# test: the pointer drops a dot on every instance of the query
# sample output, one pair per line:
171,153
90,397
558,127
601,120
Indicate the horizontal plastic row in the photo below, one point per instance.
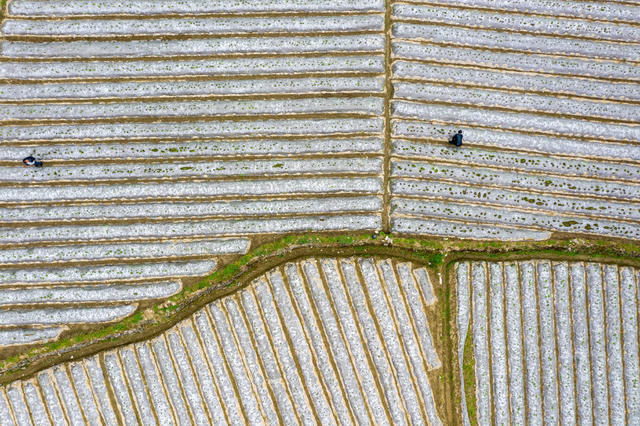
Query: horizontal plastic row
518,61
128,110
166,171
518,22
188,228
502,139
505,99
510,80
172,89
520,121
205,148
65,70
208,26
56,254
516,218
514,160
203,129
493,39
192,190
193,47
514,179
151,7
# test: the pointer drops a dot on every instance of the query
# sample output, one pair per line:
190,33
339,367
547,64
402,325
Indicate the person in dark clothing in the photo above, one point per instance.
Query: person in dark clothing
31,161
457,139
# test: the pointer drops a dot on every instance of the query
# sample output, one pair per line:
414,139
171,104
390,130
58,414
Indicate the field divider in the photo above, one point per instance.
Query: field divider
178,36
108,261
203,158
218,56
188,119
265,96
219,14
198,77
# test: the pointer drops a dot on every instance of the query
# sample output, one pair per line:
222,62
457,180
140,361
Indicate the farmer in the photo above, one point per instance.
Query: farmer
457,139
31,161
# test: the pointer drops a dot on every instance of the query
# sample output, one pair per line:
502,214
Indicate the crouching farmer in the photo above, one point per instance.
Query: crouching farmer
31,161
456,139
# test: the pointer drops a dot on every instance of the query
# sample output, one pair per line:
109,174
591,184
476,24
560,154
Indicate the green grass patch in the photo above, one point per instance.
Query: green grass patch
469,378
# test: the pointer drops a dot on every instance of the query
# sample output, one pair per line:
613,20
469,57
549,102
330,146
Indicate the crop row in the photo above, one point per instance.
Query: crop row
505,216
214,148
607,11
51,111
509,179
157,89
346,222
515,101
513,160
522,121
98,293
517,22
193,47
506,140
183,68
166,210
201,129
194,190
480,38
529,61
75,315
316,339
566,331
151,7
123,251
465,230
105,272
508,80
208,26
196,170
25,336
516,198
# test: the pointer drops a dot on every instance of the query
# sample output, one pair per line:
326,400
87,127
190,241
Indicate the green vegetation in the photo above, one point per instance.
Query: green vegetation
469,377
435,253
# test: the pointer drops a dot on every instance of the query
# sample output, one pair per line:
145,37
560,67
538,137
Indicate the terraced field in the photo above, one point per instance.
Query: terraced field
553,342
171,135
319,341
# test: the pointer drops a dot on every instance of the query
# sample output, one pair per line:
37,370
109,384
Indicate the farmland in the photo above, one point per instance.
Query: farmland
249,210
